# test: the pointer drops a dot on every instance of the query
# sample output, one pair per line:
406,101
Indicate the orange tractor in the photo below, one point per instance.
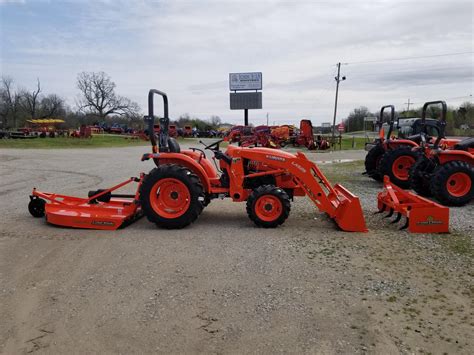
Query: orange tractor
394,156
173,194
444,171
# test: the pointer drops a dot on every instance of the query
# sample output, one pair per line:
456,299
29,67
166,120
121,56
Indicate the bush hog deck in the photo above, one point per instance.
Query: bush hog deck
101,210
184,182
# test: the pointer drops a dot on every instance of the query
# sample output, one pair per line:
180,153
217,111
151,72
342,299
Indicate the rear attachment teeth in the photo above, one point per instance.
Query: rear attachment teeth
397,219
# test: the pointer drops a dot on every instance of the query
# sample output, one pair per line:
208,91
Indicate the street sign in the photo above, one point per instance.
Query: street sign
341,127
370,119
245,81
245,100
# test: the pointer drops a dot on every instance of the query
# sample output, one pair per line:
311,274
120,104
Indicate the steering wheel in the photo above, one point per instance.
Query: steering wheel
210,146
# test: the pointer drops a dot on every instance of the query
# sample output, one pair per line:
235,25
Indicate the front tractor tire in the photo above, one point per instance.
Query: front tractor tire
396,165
268,206
171,196
452,183
371,162
420,176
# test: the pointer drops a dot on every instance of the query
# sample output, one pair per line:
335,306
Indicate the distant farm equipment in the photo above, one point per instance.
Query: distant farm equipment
277,136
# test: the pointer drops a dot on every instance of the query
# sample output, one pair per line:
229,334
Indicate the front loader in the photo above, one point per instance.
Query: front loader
184,182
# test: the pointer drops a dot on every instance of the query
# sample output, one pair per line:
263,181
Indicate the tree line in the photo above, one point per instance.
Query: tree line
98,103
459,120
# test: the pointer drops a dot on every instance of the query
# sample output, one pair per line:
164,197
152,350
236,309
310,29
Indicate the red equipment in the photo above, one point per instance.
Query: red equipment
173,131
174,193
305,135
188,131
422,215
101,210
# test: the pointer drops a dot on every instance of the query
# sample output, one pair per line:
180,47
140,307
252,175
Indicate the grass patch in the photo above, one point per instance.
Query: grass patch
350,143
97,141
458,243
341,172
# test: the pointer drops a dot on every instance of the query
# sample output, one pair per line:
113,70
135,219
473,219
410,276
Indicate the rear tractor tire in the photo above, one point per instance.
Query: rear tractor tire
171,196
268,206
453,183
396,164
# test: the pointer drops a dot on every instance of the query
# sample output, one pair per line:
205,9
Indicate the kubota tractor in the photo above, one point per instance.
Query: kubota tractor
394,156
444,171
173,194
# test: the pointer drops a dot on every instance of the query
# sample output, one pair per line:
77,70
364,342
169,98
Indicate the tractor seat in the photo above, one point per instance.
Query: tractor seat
173,145
465,144
415,138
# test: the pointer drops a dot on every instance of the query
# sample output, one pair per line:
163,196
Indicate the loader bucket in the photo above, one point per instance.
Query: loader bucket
422,215
348,215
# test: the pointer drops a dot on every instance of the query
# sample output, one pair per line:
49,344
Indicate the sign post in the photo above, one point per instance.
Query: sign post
340,128
245,100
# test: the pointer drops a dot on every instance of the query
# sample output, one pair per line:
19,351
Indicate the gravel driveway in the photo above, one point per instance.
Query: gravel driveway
222,285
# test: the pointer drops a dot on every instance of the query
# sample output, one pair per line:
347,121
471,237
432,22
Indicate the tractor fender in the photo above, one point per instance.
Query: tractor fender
393,144
446,156
188,162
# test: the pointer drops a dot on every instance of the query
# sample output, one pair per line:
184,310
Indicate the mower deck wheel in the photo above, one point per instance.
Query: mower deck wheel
36,207
268,206
453,183
171,196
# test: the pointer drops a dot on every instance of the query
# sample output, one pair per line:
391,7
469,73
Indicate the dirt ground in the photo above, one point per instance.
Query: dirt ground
222,285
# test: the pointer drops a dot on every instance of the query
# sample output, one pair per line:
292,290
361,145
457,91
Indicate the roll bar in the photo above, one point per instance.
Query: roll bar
392,119
164,122
442,122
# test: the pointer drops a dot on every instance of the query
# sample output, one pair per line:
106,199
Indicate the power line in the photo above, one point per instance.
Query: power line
409,58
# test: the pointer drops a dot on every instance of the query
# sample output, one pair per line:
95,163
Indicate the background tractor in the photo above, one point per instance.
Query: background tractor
443,171
394,156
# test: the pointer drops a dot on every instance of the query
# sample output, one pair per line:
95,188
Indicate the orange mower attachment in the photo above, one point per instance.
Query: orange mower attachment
422,215
101,210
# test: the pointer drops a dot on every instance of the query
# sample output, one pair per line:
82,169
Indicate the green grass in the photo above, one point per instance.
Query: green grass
97,141
349,143
458,243
342,172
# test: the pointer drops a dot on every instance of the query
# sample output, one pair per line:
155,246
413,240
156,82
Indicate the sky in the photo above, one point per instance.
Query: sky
391,51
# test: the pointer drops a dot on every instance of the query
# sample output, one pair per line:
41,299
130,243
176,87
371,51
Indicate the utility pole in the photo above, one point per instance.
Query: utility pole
267,119
408,107
338,79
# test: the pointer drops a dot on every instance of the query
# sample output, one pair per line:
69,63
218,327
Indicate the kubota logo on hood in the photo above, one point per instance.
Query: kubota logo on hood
273,157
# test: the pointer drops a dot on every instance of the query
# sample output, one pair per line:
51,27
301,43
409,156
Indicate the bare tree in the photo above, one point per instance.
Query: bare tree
99,97
30,100
9,102
215,121
51,106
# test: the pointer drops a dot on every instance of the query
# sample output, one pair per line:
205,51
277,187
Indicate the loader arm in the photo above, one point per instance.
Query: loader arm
340,204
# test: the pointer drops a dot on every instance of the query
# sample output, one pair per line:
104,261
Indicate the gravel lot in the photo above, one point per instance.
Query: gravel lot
222,285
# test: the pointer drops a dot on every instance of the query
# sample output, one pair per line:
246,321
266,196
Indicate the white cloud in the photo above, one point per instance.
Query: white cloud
187,48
